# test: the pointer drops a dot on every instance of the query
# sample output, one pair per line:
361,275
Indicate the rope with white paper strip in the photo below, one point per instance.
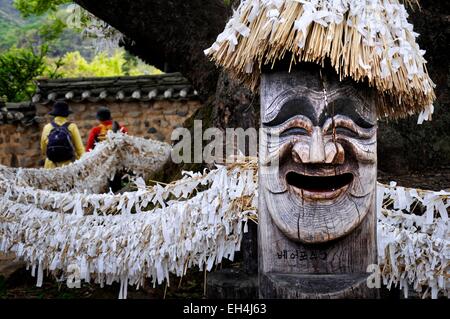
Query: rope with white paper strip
196,221
131,236
91,172
413,249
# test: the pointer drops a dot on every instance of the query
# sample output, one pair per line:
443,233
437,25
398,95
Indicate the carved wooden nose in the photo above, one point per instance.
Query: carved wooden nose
316,147
312,151
316,151
300,153
334,153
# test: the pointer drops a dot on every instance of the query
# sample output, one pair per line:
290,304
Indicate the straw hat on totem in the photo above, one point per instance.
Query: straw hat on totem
367,40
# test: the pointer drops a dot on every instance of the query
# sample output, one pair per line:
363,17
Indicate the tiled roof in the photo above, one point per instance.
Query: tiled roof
119,88
17,113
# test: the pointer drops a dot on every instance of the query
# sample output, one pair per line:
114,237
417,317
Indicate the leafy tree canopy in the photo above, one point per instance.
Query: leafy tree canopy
38,7
18,69
73,64
25,28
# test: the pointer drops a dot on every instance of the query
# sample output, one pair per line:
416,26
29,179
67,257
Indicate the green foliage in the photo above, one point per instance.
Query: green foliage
51,29
38,7
102,65
18,69
26,28
7,38
73,64
37,42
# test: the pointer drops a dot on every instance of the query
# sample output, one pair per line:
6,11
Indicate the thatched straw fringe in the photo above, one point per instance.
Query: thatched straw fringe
369,41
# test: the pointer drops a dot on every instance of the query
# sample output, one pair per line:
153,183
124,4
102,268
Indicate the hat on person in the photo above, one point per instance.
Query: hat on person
103,114
60,108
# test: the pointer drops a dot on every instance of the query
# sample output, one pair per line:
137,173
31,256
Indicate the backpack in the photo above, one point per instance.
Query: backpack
60,147
104,130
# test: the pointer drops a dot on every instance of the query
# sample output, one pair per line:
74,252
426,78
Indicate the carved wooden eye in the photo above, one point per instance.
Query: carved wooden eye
345,131
294,131
345,127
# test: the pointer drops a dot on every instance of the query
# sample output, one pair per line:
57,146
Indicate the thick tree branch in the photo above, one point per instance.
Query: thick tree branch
176,32
168,31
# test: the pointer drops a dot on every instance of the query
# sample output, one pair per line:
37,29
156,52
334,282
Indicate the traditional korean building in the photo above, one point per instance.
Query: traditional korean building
150,106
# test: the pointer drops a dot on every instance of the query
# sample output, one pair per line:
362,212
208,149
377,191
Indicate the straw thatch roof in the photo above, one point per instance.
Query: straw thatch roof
367,40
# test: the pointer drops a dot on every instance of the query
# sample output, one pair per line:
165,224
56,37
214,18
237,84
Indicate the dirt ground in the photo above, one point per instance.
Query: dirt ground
21,285
436,180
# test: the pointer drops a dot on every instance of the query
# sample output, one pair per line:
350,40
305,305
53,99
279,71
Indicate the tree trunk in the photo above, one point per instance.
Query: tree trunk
174,33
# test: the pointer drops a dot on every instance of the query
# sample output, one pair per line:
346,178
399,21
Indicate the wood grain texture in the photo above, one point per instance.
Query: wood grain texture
299,286
307,265
316,240
351,254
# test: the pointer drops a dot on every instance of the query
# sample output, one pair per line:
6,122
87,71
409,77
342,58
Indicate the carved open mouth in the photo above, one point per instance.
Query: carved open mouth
319,187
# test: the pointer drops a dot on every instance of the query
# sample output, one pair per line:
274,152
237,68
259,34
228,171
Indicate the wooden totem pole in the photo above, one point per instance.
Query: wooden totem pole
317,184
348,63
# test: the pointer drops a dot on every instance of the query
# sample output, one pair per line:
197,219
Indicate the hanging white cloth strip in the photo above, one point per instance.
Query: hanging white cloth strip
91,172
193,222
134,235
414,249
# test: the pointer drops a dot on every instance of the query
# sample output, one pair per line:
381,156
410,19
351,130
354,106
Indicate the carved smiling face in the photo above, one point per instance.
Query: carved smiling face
317,154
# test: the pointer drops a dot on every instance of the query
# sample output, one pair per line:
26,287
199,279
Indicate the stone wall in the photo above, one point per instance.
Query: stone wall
154,120
19,144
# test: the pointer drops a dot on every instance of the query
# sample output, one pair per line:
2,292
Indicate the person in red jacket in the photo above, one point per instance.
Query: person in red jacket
98,133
